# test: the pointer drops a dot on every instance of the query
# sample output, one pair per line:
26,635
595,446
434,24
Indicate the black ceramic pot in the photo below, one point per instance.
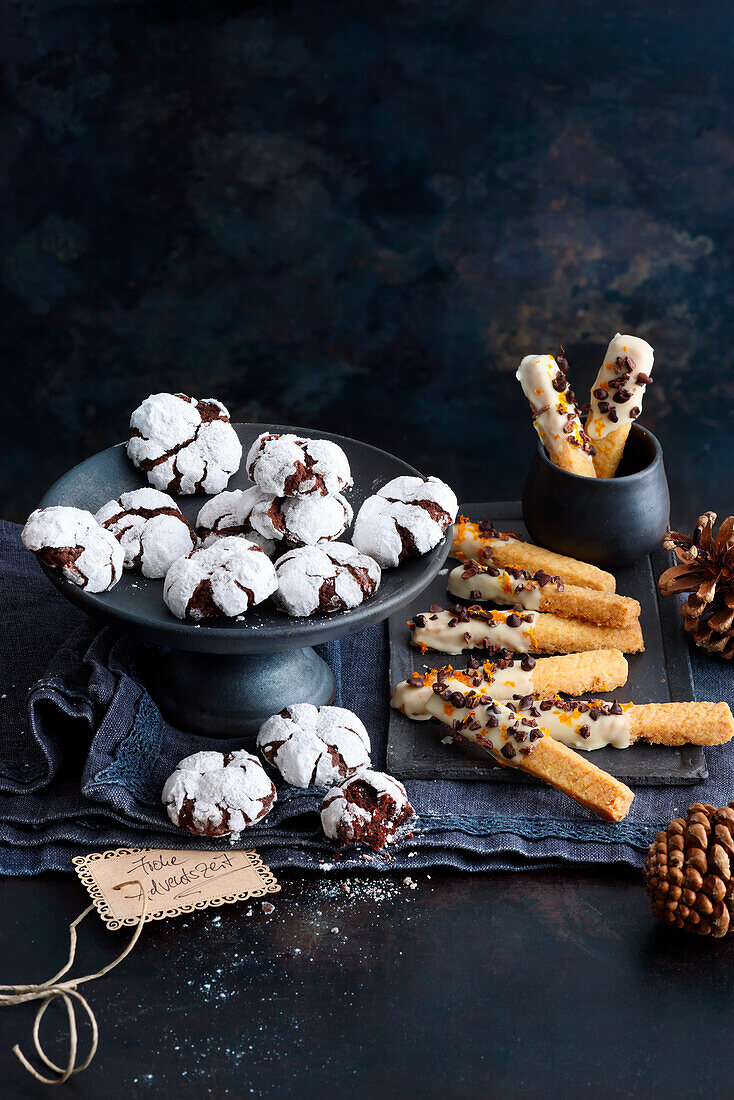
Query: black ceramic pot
606,521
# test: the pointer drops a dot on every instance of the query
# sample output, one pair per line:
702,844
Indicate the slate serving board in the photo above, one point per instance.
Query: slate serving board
661,674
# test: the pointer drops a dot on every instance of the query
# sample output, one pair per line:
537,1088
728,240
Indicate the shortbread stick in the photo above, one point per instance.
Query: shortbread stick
682,723
616,399
516,741
577,673
483,543
555,416
464,628
540,592
580,724
515,680
552,634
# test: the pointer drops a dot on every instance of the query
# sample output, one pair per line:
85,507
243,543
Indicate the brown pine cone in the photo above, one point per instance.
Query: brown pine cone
688,872
706,570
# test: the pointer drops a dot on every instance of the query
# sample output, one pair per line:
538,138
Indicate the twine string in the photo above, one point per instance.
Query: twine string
52,988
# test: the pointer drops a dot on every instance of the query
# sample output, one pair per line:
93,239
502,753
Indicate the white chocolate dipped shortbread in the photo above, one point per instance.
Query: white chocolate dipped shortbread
461,628
221,580
482,542
540,592
291,465
70,541
511,679
555,415
404,519
578,724
616,399
184,444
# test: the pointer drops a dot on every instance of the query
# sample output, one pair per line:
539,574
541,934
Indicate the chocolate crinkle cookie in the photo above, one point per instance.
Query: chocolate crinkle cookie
184,445
314,745
230,513
368,806
71,541
302,521
214,793
290,466
404,519
221,580
151,529
333,576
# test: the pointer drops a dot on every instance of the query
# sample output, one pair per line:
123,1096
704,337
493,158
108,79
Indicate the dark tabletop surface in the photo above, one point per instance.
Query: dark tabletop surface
359,217
502,985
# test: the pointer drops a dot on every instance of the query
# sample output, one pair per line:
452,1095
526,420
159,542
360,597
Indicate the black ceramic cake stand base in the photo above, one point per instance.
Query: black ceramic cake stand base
224,695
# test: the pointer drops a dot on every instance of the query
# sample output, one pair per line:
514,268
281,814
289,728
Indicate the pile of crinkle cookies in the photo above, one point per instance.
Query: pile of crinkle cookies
224,567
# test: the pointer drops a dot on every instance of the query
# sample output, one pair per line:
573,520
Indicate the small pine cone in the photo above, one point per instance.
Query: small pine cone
688,871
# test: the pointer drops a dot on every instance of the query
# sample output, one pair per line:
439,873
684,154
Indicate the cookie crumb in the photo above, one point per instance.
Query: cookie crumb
268,907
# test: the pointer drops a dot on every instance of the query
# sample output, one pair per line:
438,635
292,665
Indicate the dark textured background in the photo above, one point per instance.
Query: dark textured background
358,217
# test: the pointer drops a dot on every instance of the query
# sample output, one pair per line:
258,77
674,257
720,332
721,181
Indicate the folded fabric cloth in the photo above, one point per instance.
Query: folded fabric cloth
84,753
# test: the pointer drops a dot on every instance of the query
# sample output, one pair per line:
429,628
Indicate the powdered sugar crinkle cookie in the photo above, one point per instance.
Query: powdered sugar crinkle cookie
230,513
184,444
291,465
71,541
369,806
302,521
314,745
223,579
332,576
151,529
404,519
214,793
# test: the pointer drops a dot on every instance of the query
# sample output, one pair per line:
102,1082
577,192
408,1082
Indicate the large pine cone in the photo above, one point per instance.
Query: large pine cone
706,570
688,871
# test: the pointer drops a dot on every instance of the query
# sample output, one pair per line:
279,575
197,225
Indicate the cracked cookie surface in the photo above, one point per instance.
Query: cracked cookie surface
71,541
151,529
332,576
292,465
230,513
314,745
404,519
215,794
184,444
221,580
368,807
302,521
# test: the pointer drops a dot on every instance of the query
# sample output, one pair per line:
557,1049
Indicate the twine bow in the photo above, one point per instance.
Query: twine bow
50,989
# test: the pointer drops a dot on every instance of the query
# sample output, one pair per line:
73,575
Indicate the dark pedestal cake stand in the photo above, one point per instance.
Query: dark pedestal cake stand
226,677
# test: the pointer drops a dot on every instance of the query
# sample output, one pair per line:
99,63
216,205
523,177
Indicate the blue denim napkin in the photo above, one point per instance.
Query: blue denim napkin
84,753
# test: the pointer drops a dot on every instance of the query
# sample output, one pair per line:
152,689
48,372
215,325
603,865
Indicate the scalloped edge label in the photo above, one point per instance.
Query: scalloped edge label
175,881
